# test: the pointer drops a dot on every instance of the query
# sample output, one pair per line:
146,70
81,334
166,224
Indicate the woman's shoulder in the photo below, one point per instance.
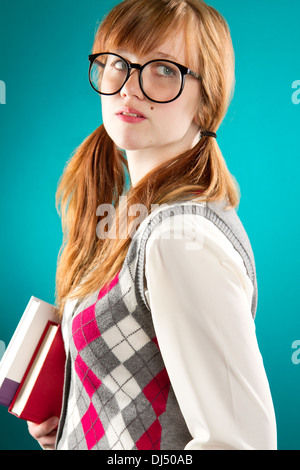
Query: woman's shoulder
187,216
202,228
192,226
198,220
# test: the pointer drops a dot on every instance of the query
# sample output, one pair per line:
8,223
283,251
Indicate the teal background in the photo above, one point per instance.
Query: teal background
50,108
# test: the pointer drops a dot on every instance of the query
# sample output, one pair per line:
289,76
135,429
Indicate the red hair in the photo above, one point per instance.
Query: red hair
98,172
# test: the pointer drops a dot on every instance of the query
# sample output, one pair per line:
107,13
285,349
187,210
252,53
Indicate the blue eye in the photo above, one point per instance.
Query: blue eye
164,70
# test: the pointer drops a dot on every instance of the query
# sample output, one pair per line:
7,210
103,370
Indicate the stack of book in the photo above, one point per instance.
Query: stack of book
32,367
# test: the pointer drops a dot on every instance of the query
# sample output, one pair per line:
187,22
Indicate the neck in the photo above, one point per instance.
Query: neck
141,162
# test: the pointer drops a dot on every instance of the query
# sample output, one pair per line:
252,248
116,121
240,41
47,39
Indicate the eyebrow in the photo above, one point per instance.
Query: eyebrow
166,56
158,53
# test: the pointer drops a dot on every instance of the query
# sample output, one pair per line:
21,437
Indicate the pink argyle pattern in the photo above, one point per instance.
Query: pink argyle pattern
122,341
156,393
119,395
106,345
85,330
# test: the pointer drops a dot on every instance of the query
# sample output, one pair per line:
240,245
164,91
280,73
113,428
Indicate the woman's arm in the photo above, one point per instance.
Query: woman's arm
200,298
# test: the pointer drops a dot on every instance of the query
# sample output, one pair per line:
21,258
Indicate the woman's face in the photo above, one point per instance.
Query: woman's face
165,127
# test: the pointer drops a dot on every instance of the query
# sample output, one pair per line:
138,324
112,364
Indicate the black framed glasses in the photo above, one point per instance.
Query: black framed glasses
161,81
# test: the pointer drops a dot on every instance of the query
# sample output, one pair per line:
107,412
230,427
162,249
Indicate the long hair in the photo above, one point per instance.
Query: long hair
97,174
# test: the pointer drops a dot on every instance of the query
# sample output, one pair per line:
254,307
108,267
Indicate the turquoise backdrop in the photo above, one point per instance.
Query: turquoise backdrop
48,107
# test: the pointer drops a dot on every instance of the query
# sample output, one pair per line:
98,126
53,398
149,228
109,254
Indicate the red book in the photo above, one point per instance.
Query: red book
39,395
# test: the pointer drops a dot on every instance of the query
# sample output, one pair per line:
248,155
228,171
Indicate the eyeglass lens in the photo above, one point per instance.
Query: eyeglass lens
160,80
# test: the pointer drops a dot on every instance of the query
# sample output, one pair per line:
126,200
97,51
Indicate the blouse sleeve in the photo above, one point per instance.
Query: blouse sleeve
200,298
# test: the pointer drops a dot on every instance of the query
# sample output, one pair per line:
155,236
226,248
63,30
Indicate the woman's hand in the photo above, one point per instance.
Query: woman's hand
44,433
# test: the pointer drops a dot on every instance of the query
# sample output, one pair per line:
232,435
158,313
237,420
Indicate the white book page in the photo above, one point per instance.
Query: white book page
25,339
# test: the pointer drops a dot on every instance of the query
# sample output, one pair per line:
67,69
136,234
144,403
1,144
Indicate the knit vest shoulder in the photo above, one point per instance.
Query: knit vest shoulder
117,393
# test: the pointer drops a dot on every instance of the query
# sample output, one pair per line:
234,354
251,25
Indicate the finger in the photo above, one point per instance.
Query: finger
48,447
48,442
40,430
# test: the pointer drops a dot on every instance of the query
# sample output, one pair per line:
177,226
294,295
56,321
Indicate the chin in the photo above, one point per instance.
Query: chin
126,136
131,147
127,142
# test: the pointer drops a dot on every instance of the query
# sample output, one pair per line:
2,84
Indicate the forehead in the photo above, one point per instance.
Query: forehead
172,48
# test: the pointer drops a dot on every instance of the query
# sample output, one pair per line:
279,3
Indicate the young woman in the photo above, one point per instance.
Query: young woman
156,281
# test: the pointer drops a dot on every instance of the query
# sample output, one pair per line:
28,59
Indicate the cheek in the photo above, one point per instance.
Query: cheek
191,97
178,116
109,120
105,108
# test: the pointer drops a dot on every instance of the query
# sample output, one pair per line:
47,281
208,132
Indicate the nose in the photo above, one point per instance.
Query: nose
132,86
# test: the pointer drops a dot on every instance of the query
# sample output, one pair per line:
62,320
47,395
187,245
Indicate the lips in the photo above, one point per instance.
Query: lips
130,112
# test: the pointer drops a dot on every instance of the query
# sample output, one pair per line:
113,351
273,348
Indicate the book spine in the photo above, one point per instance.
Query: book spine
8,390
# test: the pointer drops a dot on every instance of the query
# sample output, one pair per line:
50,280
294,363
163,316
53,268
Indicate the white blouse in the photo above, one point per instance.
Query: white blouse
200,298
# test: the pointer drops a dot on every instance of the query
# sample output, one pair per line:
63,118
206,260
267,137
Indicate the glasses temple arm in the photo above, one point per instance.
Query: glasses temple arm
193,74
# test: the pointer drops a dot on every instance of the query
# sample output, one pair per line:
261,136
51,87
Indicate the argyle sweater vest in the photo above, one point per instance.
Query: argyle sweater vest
117,393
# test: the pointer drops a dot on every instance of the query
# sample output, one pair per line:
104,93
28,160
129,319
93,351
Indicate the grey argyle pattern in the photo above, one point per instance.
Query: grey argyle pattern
118,395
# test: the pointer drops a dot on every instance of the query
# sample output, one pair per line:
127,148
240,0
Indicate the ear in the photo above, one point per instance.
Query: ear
197,117
196,120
